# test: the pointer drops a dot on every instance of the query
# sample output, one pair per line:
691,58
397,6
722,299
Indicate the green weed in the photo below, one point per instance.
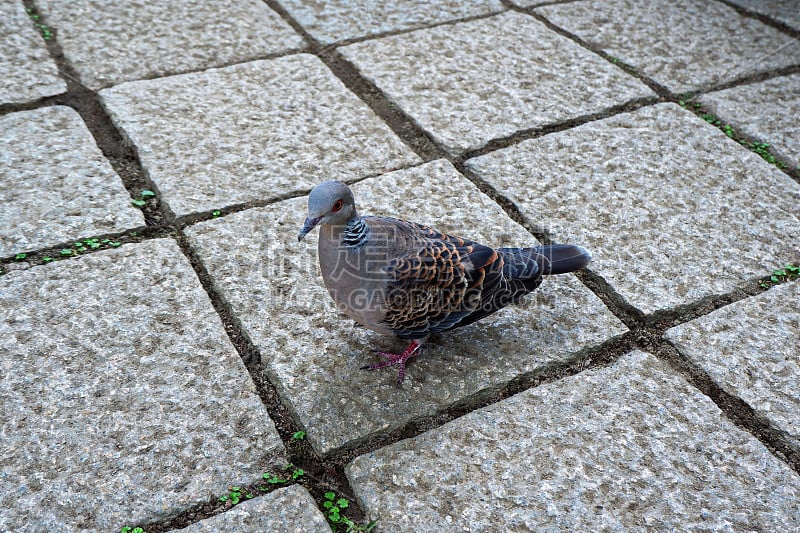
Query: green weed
334,511
782,275
144,195
46,32
235,495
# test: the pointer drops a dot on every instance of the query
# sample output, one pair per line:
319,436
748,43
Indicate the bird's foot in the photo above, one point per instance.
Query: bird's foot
399,359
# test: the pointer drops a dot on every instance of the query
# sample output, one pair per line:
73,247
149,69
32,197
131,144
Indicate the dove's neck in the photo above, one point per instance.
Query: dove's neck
355,232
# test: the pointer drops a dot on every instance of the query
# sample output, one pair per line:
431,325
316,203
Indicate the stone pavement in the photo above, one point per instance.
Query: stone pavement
166,354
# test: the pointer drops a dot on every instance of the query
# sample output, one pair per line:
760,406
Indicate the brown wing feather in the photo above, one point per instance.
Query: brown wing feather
437,282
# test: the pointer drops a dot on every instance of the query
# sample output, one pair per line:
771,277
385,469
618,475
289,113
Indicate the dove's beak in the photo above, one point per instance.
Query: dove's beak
308,226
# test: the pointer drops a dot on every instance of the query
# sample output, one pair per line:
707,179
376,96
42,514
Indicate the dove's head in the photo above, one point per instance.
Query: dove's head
330,202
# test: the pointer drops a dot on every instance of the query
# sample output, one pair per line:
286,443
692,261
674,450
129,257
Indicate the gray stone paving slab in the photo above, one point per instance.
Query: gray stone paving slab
683,44
289,510
253,131
109,42
786,11
313,354
26,69
672,209
627,447
337,20
55,184
530,3
752,350
767,111
475,81
122,399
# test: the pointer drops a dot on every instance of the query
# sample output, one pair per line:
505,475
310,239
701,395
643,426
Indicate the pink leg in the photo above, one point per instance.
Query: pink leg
398,359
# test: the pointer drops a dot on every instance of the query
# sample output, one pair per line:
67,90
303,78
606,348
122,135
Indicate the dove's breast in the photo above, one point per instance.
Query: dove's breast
354,274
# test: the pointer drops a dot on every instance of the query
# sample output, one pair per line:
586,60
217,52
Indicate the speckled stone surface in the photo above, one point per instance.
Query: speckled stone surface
683,44
475,81
672,209
313,354
251,132
336,21
529,3
750,349
627,447
289,510
27,71
786,11
767,111
109,42
55,184
122,400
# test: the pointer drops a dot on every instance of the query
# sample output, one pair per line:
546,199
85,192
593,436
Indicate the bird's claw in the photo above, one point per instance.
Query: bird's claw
399,359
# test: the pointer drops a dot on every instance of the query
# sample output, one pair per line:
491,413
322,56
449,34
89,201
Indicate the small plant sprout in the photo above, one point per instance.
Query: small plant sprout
235,495
296,472
36,18
144,195
129,529
334,506
79,247
20,257
298,435
274,479
333,510
216,213
788,273
686,102
762,149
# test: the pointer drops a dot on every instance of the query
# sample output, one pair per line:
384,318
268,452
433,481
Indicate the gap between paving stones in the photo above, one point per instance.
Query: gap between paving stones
45,101
327,473
540,131
664,93
736,409
766,19
185,221
345,42
655,86
54,253
115,147
630,69
399,122
748,141
602,355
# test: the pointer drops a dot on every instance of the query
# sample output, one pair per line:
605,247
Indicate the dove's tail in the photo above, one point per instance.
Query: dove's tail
561,258
531,263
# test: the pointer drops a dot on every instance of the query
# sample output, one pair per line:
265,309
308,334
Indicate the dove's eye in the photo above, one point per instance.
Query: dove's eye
337,205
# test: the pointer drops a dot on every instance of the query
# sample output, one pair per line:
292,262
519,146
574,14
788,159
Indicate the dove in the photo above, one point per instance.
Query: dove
408,280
